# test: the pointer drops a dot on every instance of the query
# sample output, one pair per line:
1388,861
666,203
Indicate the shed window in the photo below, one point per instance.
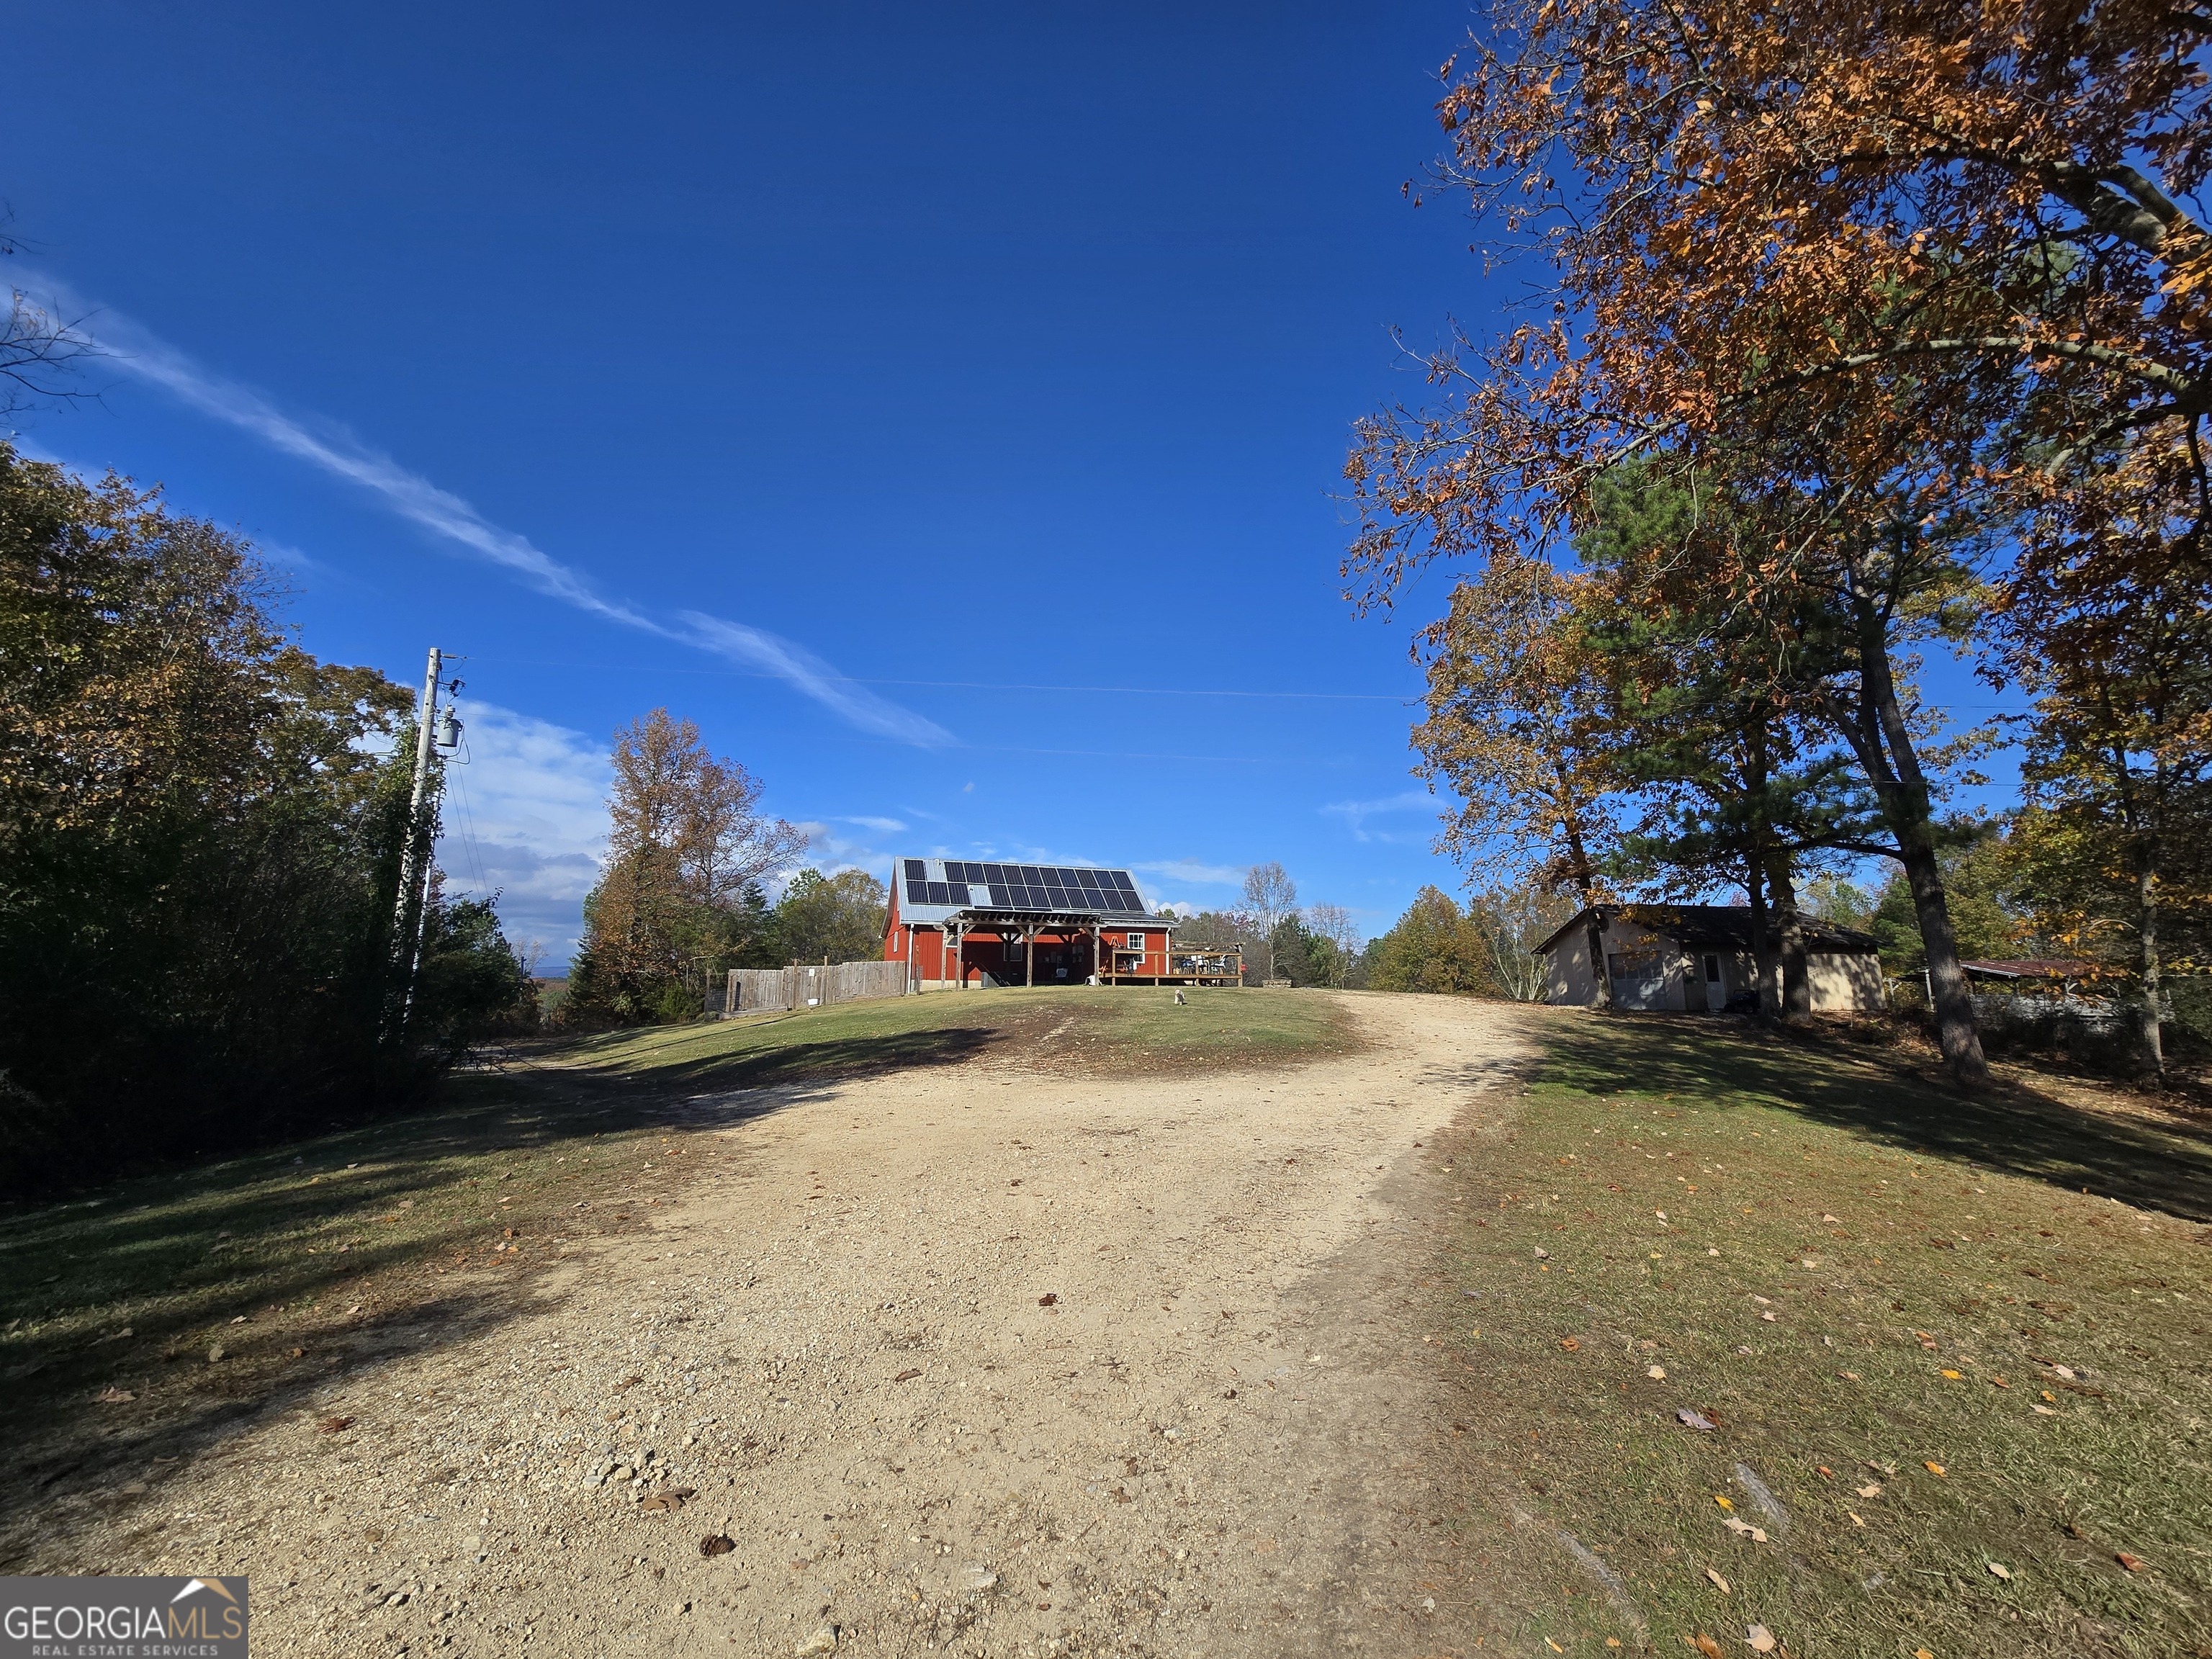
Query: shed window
1713,970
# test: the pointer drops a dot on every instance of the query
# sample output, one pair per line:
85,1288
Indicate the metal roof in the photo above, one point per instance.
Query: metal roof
1725,925
933,892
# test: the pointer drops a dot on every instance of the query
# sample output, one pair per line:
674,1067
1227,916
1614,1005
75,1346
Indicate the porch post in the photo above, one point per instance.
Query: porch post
1029,956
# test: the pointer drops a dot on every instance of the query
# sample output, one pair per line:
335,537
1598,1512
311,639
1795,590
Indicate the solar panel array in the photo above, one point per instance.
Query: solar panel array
1021,887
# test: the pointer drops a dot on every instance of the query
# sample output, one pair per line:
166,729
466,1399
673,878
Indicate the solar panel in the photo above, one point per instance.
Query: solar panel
966,883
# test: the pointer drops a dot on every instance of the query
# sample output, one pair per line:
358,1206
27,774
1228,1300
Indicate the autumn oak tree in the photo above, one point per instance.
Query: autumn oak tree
686,841
1519,725
1923,261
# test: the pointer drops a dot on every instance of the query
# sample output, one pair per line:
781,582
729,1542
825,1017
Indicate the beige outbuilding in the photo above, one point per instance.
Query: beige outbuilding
1695,958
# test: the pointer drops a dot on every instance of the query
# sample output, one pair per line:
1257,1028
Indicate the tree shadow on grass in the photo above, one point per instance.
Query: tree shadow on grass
176,1256
179,1254
824,1060
2010,1127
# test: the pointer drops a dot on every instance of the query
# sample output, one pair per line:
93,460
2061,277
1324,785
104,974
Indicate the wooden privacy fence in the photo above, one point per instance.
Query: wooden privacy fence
755,990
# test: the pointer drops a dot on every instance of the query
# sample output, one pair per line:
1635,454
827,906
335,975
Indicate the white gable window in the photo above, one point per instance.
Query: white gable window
1136,941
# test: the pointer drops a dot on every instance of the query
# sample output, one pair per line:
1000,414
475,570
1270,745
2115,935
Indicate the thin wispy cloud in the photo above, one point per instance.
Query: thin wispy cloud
816,679
881,826
332,449
1190,870
1356,813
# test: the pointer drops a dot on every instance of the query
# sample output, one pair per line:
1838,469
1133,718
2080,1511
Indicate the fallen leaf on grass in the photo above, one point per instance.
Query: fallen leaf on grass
908,1375
1657,1373
1760,1639
335,1424
1857,1520
1997,1571
1743,1529
1931,1466
111,1396
1570,1344
1722,1502
1769,1317
1705,1644
2132,1563
1955,1377
716,1544
2041,1411
1691,1418
1554,1646
1872,1489
1719,1583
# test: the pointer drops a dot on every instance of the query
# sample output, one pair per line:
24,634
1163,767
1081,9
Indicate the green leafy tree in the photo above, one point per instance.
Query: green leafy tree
838,918
1433,947
200,828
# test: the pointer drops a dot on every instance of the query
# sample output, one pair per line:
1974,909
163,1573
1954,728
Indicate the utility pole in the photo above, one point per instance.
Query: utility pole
414,863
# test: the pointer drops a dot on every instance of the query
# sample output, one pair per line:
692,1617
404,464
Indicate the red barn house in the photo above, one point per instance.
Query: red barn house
953,922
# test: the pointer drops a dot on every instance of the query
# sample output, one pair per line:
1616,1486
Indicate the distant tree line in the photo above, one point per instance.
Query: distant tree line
1317,946
200,832
682,899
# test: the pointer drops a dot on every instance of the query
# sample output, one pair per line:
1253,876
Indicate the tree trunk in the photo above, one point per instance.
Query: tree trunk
1789,926
1764,965
1586,886
2153,1048
1881,740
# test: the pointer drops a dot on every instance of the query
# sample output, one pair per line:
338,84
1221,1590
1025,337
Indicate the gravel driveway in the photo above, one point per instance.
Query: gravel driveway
977,1358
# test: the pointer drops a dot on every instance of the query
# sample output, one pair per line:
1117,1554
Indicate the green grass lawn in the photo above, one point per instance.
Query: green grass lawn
296,1262
1975,1397
1098,1028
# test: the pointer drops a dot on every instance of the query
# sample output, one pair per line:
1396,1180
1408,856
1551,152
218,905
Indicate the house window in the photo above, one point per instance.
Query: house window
1713,970
1136,941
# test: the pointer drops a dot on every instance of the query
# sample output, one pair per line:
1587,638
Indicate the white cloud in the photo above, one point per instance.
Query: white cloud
525,815
881,826
332,449
1355,813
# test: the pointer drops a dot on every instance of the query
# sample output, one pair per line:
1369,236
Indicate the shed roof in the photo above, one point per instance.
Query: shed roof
1727,926
2032,968
933,891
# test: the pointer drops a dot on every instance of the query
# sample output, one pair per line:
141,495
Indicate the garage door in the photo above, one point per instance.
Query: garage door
1639,980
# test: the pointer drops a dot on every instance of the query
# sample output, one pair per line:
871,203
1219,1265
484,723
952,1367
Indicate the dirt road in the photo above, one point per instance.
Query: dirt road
979,1359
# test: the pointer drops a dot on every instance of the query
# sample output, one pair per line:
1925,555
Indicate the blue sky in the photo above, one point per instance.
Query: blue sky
855,380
